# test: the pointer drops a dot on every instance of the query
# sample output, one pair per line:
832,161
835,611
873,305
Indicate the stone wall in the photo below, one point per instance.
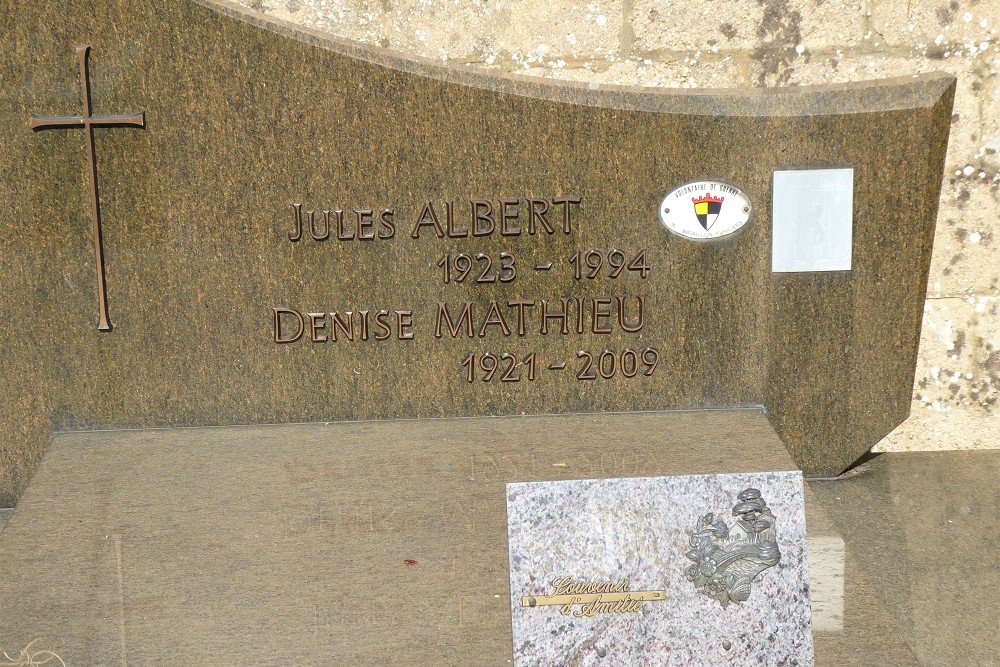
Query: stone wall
739,43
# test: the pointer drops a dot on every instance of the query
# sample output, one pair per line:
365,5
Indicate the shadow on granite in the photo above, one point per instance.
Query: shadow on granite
922,528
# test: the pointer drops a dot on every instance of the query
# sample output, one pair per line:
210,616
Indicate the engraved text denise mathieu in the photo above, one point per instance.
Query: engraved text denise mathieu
616,310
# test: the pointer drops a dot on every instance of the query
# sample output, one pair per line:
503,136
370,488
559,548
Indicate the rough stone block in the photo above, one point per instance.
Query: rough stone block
986,351
946,374
989,152
775,31
968,236
935,25
824,25
512,34
967,146
957,380
958,428
951,394
673,27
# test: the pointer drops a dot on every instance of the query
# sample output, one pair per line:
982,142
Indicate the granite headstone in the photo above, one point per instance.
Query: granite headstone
214,218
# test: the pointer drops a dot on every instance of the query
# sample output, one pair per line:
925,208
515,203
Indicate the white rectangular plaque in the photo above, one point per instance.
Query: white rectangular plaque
696,570
812,220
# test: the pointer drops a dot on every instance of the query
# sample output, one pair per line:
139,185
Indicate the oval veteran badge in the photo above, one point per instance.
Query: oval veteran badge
705,210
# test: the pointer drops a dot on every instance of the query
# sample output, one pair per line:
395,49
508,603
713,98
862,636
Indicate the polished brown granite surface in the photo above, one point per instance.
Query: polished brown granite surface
355,543
243,120
922,528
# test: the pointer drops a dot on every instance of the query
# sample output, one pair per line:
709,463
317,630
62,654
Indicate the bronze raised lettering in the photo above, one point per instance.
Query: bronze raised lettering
317,322
453,327
388,226
520,305
326,226
404,321
537,208
494,318
562,315
630,327
479,229
601,307
278,312
382,322
506,215
565,202
343,234
449,219
290,325
428,216
508,268
366,220
363,321
296,232
338,323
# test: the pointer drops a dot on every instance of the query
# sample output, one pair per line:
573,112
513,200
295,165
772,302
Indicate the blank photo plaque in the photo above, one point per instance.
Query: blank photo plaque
812,220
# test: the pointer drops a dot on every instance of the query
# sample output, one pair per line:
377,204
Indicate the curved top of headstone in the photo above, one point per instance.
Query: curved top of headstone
222,229
891,94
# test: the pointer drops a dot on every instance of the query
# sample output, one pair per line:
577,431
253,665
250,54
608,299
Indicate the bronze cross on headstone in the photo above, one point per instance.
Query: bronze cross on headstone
88,123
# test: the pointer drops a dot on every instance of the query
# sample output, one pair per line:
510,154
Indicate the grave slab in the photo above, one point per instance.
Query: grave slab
356,543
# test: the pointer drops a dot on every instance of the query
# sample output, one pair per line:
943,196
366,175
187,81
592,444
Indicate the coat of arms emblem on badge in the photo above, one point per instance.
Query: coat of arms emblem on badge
728,558
705,210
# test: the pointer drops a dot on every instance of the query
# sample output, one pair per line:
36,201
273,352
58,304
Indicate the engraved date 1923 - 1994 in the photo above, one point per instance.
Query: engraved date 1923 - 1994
606,365
483,267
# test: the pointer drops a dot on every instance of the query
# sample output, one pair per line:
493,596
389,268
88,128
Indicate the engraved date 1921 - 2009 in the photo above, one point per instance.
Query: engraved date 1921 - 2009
606,365
470,270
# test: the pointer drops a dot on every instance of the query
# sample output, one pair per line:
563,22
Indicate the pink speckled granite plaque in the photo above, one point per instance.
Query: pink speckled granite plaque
695,570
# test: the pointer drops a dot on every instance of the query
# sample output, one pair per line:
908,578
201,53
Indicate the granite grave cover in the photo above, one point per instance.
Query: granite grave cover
692,570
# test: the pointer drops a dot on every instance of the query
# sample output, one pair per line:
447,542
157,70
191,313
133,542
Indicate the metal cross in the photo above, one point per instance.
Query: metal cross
88,123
